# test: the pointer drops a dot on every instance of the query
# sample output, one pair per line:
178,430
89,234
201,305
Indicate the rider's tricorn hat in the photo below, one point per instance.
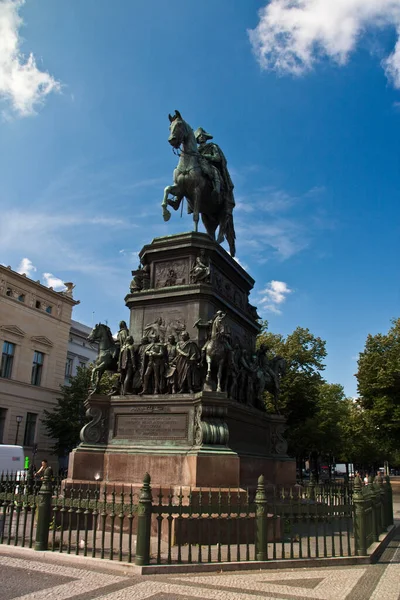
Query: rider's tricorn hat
200,131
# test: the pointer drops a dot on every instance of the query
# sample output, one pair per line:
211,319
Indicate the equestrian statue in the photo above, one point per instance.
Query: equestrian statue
269,374
201,177
108,352
217,349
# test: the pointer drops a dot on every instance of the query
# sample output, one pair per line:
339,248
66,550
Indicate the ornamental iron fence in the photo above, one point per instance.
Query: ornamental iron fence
183,525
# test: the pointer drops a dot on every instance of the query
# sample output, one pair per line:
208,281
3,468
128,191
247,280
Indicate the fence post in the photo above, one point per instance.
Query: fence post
373,494
44,511
360,538
144,523
379,512
311,487
261,520
389,501
382,497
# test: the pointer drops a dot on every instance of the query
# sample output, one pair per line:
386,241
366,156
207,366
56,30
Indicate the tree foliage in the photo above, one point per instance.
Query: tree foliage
300,388
361,442
64,423
321,420
379,384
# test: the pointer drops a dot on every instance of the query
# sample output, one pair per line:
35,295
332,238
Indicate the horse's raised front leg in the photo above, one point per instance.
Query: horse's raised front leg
97,374
174,191
94,380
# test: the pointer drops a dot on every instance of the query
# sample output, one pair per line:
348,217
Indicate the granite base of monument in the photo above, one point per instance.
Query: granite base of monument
182,440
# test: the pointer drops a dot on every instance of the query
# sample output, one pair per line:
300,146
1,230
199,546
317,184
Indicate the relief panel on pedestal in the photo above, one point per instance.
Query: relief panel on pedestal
228,290
171,272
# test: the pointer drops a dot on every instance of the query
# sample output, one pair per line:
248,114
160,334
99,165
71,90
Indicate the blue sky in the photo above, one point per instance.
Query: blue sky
303,97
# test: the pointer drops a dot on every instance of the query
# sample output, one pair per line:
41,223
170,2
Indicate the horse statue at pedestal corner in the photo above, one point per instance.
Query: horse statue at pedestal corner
107,359
217,350
269,380
192,183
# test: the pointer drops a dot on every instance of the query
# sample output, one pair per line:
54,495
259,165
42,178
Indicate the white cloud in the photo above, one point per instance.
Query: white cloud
285,237
274,295
39,224
293,35
26,267
22,84
283,224
55,282
239,262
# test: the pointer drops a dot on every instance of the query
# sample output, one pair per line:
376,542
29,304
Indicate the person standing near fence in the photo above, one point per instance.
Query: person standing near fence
42,469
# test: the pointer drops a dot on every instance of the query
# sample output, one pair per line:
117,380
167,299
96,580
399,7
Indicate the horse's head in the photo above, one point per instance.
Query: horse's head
280,365
179,130
95,334
100,332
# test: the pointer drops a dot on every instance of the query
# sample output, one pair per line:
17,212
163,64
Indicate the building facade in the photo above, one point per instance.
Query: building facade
80,353
35,324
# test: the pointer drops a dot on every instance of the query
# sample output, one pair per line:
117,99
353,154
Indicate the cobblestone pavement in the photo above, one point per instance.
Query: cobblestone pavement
30,579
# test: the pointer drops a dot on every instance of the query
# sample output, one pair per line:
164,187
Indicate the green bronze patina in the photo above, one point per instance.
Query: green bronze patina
107,359
203,179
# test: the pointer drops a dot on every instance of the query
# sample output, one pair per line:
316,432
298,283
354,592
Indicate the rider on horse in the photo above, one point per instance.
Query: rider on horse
215,167
121,338
214,326
264,364
201,177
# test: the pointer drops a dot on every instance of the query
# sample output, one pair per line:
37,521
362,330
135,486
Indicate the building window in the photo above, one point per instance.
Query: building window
82,365
30,429
3,414
37,304
49,309
9,292
7,360
21,297
37,367
68,367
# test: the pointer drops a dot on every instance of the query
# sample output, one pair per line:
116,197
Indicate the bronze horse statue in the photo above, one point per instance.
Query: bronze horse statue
107,359
270,382
191,183
217,350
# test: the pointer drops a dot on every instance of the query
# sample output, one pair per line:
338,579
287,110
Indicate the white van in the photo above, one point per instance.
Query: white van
12,459
340,469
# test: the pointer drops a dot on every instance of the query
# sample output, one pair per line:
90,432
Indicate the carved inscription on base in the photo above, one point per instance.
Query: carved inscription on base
155,427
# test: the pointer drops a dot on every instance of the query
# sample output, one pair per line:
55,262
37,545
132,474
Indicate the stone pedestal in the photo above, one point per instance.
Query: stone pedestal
173,296
189,440
197,440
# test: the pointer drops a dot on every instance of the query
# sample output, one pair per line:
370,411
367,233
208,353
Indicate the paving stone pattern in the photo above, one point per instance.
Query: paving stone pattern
18,581
29,579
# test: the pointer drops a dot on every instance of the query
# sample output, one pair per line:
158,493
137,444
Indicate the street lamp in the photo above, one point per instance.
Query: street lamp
18,419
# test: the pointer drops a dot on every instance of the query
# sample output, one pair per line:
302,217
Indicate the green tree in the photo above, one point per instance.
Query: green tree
379,385
300,388
361,442
330,419
63,424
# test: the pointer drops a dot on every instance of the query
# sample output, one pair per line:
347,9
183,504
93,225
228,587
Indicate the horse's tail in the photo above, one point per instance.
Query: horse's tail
229,232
